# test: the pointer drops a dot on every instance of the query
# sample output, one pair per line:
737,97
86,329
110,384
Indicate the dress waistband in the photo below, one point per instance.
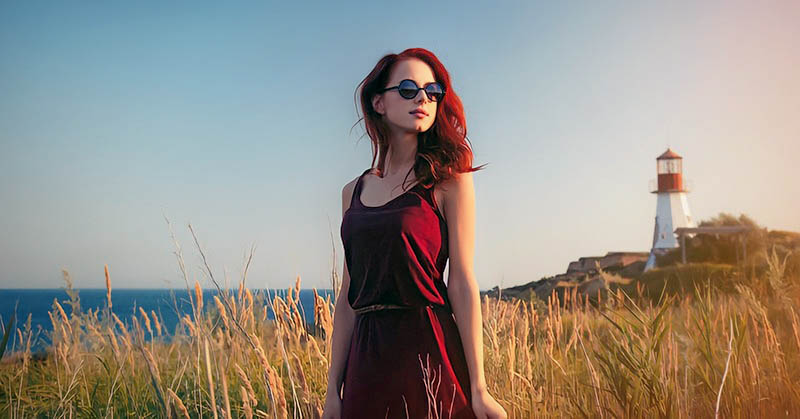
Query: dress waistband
378,307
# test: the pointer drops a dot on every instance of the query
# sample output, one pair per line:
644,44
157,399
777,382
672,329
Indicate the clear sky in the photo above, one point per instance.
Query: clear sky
236,119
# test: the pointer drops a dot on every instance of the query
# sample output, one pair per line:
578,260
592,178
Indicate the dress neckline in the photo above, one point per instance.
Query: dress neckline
360,188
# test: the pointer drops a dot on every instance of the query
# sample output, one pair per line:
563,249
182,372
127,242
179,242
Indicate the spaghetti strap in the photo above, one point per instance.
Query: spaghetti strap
356,198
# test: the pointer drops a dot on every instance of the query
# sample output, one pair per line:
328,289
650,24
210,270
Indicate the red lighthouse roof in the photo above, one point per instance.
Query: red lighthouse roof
669,154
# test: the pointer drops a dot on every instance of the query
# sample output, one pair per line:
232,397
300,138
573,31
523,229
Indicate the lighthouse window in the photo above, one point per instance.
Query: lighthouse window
669,166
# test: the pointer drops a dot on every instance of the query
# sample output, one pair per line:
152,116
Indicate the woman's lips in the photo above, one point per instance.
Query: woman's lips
418,114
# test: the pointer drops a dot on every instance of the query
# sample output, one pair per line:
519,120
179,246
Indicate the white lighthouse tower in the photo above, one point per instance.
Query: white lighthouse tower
672,209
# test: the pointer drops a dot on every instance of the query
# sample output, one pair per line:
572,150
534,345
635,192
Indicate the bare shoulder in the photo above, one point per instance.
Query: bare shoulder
458,184
458,188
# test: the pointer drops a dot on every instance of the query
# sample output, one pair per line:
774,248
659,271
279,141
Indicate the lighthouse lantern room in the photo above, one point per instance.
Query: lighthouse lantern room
672,206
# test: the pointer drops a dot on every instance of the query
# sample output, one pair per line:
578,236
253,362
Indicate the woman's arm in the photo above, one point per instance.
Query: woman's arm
462,290
343,320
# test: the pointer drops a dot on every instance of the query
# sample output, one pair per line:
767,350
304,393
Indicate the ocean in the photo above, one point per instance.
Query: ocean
170,304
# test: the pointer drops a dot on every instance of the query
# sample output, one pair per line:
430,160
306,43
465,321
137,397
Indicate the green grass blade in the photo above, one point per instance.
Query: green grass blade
6,335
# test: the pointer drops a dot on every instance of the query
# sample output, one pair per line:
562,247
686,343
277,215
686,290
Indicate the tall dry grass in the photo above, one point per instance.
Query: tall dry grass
701,355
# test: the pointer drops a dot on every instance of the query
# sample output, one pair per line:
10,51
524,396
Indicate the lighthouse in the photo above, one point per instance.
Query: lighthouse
672,207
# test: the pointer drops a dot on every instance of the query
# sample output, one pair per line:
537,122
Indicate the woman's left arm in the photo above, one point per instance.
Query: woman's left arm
462,288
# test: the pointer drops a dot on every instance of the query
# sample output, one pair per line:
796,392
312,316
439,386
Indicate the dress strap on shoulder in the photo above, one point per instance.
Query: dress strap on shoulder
354,200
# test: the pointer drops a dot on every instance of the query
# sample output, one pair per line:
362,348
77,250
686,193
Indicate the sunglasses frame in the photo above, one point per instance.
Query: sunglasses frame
423,88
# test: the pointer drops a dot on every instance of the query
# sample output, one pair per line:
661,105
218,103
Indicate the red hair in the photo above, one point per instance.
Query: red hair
443,150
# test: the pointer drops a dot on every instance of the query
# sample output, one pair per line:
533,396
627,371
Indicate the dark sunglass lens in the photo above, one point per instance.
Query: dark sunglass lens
408,89
435,91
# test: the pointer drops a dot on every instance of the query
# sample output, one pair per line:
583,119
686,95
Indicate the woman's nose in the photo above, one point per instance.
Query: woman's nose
422,97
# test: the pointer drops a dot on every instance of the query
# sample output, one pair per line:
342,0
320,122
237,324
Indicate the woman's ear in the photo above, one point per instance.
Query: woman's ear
377,104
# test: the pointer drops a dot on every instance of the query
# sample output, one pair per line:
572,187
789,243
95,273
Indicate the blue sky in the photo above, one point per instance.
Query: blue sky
236,118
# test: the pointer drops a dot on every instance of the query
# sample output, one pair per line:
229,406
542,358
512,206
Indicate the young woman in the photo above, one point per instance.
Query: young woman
405,344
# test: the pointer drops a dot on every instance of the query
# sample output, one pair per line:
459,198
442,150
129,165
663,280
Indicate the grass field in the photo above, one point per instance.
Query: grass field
702,354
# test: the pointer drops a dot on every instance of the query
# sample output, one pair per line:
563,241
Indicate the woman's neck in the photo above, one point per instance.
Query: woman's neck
402,154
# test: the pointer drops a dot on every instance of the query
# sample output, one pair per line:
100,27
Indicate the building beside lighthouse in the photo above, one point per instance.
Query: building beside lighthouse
672,205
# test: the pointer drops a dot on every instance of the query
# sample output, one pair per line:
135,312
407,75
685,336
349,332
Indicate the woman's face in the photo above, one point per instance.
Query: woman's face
399,112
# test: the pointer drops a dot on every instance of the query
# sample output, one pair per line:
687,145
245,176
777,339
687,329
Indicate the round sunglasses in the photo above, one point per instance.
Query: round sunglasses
408,89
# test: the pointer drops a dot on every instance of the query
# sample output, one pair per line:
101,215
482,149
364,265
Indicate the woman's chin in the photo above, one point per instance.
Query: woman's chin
416,127
421,127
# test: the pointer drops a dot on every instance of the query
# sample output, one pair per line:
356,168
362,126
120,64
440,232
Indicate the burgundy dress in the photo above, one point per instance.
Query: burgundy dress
396,255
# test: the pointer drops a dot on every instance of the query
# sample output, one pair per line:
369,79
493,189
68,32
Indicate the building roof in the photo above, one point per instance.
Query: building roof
628,253
669,154
713,230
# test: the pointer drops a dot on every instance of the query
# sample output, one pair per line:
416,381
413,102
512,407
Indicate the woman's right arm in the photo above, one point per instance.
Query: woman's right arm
343,322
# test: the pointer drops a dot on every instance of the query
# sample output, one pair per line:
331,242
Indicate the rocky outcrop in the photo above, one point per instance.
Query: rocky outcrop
587,274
